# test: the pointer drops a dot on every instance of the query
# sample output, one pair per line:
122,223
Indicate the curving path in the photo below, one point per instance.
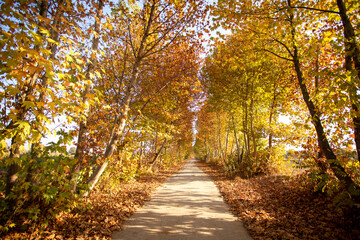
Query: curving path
187,206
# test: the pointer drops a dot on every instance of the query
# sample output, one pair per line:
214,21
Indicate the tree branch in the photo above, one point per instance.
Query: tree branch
316,9
284,45
313,9
277,55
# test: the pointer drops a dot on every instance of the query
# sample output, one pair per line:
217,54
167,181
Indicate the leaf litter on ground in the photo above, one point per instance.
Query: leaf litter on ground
279,207
104,213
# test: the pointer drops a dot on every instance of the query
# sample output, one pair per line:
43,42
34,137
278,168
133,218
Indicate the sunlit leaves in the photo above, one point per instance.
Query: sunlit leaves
54,77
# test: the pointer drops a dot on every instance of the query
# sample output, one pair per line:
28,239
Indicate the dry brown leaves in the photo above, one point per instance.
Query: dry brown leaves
106,213
275,207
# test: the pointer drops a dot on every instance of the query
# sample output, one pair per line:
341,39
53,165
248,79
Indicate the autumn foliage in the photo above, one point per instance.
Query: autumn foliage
91,91
95,94
284,76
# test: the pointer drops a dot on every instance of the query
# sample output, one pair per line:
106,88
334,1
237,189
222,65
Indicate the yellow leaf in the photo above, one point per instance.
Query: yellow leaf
52,41
28,104
43,30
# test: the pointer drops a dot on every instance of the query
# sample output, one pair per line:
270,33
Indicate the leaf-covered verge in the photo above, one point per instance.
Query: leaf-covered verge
278,207
102,213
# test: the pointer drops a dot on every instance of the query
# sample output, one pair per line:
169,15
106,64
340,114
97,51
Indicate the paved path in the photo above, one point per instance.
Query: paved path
188,206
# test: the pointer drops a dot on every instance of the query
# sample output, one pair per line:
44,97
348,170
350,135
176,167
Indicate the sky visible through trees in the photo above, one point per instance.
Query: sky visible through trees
109,90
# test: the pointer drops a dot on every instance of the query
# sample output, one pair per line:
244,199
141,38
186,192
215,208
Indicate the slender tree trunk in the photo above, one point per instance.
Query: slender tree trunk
126,104
270,134
216,147
272,109
241,155
219,137
252,127
13,169
236,140
227,142
351,45
116,136
35,147
207,152
331,158
140,156
210,156
89,71
11,175
158,153
155,141
245,129
16,142
352,58
339,171
233,145
254,146
178,149
55,35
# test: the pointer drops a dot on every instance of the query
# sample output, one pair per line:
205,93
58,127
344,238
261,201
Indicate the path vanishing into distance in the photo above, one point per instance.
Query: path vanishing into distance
187,206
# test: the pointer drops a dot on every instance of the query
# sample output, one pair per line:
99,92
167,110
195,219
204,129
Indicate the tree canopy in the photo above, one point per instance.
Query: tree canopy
107,91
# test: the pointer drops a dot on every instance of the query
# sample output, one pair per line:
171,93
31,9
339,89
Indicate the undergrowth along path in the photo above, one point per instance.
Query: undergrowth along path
187,206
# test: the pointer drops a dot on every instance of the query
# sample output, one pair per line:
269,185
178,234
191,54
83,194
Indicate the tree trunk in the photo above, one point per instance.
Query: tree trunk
352,58
252,127
221,153
272,107
178,149
90,69
16,142
236,141
158,154
351,46
155,140
245,130
207,152
13,169
226,142
11,174
270,140
125,106
117,134
140,156
35,147
338,170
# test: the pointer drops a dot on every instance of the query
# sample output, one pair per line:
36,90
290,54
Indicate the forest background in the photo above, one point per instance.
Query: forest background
125,82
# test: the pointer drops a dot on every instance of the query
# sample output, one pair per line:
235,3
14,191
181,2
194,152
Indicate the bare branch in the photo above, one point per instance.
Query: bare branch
311,8
284,45
277,55
316,9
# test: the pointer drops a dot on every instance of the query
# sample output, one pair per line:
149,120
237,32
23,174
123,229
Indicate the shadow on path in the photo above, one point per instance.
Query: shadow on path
188,206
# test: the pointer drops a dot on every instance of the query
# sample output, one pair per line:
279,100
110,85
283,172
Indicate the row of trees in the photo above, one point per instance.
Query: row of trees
245,97
118,78
294,58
